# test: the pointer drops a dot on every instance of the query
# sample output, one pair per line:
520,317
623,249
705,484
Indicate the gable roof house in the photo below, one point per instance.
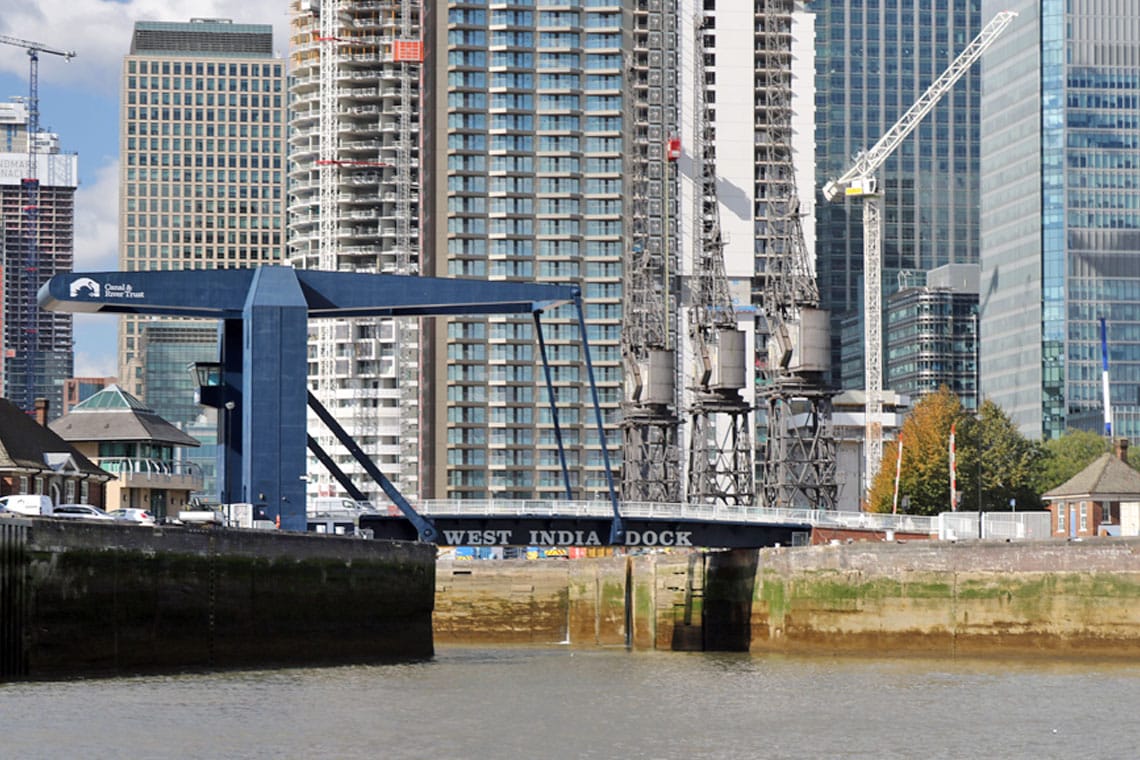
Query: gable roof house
128,439
1088,504
34,460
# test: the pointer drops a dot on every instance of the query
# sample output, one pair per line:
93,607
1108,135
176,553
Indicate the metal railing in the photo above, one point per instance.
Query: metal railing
153,469
662,511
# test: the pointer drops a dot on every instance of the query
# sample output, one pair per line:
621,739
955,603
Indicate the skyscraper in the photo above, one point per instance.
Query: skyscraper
202,149
523,141
873,60
1060,199
354,207
930,331
36,243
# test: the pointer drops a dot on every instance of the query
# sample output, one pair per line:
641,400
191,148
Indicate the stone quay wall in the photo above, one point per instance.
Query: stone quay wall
931,598
94,599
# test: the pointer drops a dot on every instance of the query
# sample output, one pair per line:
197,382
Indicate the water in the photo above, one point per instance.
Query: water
560,703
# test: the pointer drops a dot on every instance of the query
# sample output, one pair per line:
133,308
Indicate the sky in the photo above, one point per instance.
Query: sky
79,101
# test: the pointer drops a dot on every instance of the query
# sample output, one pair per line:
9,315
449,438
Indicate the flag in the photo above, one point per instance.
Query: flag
953,471
898,472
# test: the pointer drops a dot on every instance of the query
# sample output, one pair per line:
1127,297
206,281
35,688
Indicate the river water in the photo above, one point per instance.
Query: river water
561,703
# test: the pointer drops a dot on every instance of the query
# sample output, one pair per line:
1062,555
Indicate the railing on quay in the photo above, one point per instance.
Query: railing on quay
153,469
664,511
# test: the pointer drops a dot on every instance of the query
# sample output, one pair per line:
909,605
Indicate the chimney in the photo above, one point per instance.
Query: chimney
1122,449
41,411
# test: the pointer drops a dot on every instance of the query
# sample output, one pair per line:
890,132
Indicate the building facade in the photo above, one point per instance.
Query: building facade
126,439
38,346
873,61
931,335
1061,247
202,183
523,141
354,206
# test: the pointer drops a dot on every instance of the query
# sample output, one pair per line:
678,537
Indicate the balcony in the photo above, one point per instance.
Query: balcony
154,473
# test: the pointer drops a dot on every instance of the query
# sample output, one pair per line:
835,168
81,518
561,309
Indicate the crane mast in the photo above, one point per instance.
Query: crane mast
28,274
799,464
859,182
720,442
650,453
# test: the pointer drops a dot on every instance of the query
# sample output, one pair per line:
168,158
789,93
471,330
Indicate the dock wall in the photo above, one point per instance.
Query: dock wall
925,597
108,599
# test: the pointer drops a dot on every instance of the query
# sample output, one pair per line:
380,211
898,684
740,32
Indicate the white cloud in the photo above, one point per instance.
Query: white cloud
96,339
97,221
99,31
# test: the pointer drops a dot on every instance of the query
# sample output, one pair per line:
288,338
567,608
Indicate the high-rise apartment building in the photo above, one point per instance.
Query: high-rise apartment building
354,207
36,242
873,61
1060,199
523,143
930,333
526,141
202,184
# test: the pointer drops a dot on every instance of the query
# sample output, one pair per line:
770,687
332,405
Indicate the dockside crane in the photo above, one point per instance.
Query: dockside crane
720,463
651,466
859,182
799,459
28,277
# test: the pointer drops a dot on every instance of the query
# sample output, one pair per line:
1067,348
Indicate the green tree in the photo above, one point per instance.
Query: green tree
997,465
1064,457
925,472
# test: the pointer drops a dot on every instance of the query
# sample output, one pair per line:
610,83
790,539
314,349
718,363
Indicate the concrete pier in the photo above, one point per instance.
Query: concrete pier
97,598
931,598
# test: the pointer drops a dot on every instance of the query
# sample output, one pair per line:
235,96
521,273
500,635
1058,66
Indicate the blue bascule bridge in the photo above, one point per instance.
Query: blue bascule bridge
260,381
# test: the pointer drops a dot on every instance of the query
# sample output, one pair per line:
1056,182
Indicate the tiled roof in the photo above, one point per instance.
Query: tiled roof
27,445
1106,476
112,414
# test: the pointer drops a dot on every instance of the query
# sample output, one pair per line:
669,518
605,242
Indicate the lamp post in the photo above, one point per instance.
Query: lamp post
228,424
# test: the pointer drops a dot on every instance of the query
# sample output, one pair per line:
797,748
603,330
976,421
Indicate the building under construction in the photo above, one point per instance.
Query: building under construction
353,207
37,345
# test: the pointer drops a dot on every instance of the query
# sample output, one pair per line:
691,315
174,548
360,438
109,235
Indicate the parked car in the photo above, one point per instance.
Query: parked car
80,511
133,516
26,504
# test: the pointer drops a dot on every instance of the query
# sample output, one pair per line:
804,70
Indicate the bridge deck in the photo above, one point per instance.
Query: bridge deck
525,522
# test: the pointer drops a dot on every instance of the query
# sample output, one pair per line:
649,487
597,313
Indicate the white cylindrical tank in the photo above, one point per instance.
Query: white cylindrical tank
730,366
659,383
814,353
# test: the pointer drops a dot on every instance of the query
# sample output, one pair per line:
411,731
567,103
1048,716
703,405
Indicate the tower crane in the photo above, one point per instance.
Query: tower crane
650,425
859,182
799,462
720,455
28,275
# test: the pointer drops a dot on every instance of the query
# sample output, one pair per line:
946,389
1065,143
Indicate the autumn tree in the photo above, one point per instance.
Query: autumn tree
1064,457
995,463
925,471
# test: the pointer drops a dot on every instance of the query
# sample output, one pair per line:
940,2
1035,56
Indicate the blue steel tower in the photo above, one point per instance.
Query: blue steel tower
1061,215
874,58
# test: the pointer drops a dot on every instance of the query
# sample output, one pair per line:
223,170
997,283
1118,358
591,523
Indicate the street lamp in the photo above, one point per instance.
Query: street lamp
229,409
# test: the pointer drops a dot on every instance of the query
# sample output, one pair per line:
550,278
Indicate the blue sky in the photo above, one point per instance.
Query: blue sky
79,101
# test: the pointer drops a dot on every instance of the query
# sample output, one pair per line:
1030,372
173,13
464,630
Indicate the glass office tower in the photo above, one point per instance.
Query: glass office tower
1061,214
874,58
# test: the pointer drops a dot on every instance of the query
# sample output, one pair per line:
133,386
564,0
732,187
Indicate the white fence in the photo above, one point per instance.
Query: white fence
1000,526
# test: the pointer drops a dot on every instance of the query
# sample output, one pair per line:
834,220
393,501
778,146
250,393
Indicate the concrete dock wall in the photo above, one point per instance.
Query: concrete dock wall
924,597
108,598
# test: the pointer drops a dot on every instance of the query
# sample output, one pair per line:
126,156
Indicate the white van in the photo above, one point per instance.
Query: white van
36,505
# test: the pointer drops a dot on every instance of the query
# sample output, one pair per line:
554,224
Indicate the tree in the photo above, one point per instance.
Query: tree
1064,457
925,474
997,465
